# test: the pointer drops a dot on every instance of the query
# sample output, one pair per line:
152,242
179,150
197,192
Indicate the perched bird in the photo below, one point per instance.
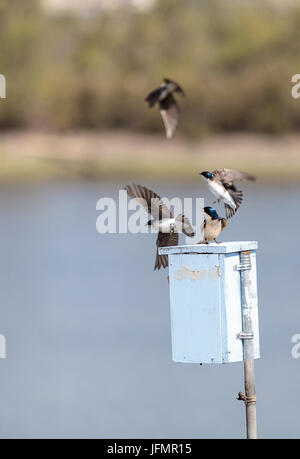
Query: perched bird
169,109
162,220
212,225
220,183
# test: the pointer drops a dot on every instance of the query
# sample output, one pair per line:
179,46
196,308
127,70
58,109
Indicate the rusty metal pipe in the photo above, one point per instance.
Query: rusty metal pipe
248,348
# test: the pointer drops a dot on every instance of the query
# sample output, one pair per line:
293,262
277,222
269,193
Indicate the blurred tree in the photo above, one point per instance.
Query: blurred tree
20,32
235,61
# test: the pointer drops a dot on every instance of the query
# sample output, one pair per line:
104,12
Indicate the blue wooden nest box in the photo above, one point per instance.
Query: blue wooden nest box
205,297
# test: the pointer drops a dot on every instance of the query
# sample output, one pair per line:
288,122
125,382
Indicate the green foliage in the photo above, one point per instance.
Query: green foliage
234,59
20,31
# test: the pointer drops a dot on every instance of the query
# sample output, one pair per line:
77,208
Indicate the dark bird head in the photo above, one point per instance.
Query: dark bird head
177,87
207,175
211,212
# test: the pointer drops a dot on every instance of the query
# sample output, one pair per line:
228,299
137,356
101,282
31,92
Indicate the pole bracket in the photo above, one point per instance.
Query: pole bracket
245,335
250,400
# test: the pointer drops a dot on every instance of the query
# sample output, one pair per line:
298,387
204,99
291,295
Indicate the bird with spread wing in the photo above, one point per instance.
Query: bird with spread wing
162,220
221,183
169,109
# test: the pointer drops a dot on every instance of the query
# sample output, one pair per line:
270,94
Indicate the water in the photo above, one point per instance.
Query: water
88,331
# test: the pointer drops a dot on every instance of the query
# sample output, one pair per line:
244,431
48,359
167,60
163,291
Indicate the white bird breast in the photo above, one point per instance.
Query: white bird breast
220,192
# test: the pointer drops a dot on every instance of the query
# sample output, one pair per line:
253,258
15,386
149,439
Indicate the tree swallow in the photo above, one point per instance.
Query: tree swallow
212,225
220,183
162,220
169,109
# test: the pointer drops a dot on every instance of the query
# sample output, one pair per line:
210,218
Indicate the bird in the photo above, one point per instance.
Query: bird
169,109
212,225
162,220
220,183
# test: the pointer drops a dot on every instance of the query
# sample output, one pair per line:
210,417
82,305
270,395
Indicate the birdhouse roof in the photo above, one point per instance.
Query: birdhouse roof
223,247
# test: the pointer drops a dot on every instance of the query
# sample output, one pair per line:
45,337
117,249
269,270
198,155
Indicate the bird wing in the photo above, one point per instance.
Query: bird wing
173,86
223,223
149,200
237,196
164,240
153,96
229,211
169,112
228,176
186,226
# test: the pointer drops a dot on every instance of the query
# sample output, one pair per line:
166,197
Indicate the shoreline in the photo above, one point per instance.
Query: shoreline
34,155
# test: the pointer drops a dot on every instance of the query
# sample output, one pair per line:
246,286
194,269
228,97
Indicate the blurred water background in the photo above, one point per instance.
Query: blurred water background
88,330
85,317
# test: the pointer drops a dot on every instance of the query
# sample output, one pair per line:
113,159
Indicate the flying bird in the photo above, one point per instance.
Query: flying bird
162,220
168,107
221,184
212,225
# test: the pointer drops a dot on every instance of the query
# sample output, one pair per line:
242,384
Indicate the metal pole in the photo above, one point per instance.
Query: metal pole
247,336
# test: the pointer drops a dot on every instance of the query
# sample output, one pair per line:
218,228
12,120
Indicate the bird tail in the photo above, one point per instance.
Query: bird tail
153,97
186,227
237,196
161,261
229,211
